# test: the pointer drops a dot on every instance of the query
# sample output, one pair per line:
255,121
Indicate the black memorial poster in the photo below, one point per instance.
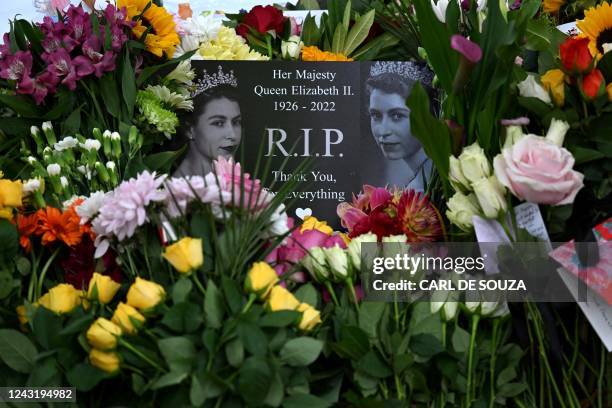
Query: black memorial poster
349,119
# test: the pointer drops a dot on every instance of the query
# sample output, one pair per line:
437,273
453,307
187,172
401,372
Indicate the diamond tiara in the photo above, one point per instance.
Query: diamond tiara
209,81
405,69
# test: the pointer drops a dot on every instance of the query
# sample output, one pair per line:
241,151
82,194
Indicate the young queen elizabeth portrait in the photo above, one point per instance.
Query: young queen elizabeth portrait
215,126
387,88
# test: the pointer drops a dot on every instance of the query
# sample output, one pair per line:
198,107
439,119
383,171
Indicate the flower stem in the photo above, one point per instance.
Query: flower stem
351,288
141,355
44,272
331,292
468,394
197,282
246,307
492,363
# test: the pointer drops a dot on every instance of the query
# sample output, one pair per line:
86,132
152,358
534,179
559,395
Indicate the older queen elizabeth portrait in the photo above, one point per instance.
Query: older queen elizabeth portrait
215,126
404,163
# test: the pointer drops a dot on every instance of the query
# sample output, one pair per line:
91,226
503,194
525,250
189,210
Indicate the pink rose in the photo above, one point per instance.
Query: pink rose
538,171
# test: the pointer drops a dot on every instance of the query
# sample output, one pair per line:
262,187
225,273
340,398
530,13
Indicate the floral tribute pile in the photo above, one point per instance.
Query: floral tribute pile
117,274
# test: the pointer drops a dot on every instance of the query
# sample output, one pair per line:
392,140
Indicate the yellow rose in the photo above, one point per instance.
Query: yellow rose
281,299
185,255
107,361
312,223
554,82
145,295
260,279
609,91
310,317
10,193
103,333
62,298
6,213
105,288
128,318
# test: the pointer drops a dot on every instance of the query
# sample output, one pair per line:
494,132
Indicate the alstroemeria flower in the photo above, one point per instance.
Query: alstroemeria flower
469,49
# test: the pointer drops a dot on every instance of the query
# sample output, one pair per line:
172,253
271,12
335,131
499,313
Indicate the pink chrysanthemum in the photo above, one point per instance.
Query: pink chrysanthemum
125,208
182,191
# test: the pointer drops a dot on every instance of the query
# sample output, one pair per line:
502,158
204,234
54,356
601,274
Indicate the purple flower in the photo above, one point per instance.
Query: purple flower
520,121
465,5
79,23
61,66
470,50
17,66
92,60
182,191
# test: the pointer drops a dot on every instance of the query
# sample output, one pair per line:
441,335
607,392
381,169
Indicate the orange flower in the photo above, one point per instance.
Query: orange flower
54,225
313,53
26,225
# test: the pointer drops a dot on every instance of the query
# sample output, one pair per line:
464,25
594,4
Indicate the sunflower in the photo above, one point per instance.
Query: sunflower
597,27
161,37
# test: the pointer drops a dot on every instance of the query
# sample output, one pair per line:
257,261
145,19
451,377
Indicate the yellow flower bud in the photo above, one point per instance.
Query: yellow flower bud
103,333
260,279
105,288
10,193
107,361
21,315
312,223
62,298
128,318
185,255
310,317
554,82
145,295
281,299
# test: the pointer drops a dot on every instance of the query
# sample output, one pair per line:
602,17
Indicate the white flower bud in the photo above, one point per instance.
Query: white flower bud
461,209
110,165
66,143
556,131
31,186
64,181
34,130
54,169
530,88
513,135
106,134
47,126
82,170
32,160
91,144
115,136
354,248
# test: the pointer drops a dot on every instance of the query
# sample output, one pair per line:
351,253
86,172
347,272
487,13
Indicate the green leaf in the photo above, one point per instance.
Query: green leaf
584,154
45,373
301,351
254,380
213,306
253,338
196,392
168,379
370,314
162,162
234,352
538,34
431,132
46,328
305,401
460,340
505,376
76,324
511,389
426,345
128,84
358,32
373,365
281,318
179,353
183,317
10,240
276,392
110,95
308,294
17,351
20,104
232,294
354,341
181,290
84,377
339,38
311,34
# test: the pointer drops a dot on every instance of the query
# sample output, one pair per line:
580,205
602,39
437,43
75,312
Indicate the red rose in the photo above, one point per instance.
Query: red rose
262,19
593,84
575,55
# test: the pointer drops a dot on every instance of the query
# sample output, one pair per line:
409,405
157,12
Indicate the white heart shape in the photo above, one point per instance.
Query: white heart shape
302,213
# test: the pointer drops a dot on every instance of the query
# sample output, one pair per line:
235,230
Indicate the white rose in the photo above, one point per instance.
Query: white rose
456,177
354,248
530,88
315,264
292,47
461,209
337,260
491,196
474,164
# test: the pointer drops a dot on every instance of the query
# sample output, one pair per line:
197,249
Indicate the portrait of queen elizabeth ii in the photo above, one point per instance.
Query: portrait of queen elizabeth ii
396,157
